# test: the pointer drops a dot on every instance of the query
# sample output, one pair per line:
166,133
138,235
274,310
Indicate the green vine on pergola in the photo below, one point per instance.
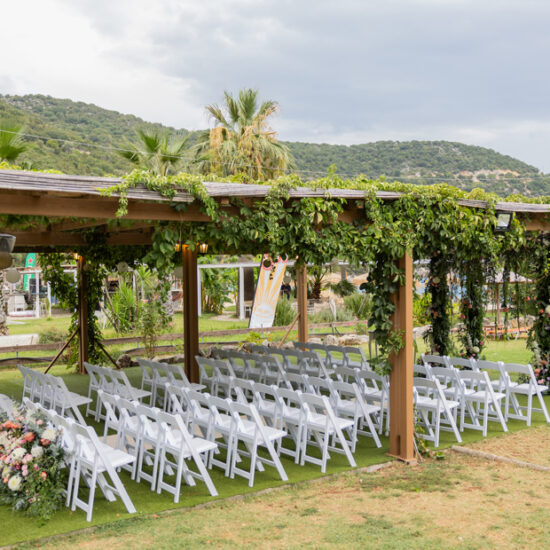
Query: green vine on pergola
425,219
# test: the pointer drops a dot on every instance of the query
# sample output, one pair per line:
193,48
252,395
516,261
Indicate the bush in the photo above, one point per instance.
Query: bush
326,316
52,335
359,305
343,288
421,309
284,314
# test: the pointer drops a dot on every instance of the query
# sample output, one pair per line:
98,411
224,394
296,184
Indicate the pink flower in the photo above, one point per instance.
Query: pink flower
27,458
25,470
36,467
43,475
40,422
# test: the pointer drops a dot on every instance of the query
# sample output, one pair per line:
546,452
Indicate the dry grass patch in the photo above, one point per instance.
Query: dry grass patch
531,445
460,502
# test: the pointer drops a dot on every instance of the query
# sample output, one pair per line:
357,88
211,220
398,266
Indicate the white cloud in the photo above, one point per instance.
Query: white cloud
346,71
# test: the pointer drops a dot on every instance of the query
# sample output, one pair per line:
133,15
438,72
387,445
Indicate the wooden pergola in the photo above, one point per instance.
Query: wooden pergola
74,203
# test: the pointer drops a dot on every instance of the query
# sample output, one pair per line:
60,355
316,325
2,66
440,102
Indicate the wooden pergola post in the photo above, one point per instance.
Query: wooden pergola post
190,313
82,316
401,378
301,295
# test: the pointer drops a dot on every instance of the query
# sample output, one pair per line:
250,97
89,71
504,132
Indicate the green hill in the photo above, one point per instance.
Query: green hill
68,128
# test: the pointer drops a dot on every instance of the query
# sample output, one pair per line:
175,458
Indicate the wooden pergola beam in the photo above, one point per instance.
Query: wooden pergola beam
100,208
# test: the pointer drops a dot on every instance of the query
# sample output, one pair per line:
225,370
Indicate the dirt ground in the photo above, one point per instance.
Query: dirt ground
458,502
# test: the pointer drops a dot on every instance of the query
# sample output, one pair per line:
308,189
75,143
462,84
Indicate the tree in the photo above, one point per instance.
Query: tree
11,143
242,140
156,152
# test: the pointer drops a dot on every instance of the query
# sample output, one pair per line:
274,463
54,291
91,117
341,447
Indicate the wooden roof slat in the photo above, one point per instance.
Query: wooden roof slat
59,185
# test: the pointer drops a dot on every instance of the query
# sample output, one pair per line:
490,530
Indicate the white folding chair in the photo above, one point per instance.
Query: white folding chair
434,404
94,462
249,429
348,401
485,402
322,424
530,389
176,442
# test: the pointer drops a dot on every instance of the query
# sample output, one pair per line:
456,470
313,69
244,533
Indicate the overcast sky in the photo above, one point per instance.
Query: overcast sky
343,71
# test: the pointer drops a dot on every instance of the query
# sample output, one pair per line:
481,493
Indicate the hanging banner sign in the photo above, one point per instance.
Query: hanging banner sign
30,262
268,289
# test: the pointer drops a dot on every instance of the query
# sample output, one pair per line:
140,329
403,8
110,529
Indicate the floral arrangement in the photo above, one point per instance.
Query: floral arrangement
32,464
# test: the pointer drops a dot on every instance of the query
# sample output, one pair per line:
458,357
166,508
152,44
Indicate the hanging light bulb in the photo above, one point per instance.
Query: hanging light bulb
203,248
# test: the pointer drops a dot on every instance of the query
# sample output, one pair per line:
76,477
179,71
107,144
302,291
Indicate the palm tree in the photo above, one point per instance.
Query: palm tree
11,143
242,141
156,152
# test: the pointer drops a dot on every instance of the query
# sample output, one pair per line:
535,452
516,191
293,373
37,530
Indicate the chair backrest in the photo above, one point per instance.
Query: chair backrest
218,366
318,385
480,377
295,381
110,402
354,357
145,365
423,370
462,362
436,360
289,399
345,374
524,370
241,388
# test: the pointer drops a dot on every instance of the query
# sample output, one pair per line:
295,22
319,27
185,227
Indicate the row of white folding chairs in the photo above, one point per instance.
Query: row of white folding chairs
295,360
113,381
371,385
158,440
235,422
347,400
473,391
262,368
529,387
52,392
89,460
155,375
306,419
337,356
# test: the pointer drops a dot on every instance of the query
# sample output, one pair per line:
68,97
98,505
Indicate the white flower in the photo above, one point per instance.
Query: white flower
475,349
37,451
15,483
547,310
18,453
49,434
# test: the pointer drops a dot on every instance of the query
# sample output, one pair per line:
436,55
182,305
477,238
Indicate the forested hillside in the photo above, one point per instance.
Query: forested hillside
77,138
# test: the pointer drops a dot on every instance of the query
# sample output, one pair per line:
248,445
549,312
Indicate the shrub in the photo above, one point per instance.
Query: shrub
326,316
359,305
52,335
284,314
343,288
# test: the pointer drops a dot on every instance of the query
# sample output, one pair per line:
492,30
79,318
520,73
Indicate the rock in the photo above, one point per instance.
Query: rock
124,361
349,340
331,340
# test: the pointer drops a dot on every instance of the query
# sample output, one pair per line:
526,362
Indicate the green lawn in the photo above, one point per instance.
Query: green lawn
146,502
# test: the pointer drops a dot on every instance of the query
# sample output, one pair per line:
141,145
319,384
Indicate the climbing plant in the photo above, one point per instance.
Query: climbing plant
432,222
